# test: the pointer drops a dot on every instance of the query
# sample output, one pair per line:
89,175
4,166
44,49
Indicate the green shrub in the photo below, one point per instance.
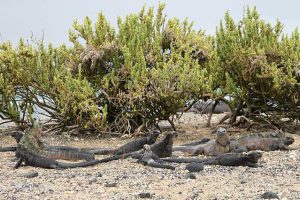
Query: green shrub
258,65
35,78
146,70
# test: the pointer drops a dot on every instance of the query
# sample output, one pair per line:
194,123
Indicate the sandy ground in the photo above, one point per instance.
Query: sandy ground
126,179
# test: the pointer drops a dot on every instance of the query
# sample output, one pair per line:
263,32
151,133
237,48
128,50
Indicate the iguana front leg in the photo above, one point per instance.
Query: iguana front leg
19,162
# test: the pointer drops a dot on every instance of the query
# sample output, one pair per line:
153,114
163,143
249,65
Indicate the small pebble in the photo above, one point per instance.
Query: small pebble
194,167
110,185
99,174
145,195
92,180
30,174
190,176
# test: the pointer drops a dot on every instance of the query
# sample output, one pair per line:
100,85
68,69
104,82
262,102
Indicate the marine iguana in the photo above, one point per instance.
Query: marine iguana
131,146
32,143
254,142
228,159
164,147
212,148
151,159
35,160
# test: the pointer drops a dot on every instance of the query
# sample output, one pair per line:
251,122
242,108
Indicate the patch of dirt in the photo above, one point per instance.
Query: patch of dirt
126,179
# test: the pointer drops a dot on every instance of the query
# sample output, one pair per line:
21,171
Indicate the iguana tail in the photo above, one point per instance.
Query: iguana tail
95,151
203,141
135,154
83,164
5,149
186,160
152,163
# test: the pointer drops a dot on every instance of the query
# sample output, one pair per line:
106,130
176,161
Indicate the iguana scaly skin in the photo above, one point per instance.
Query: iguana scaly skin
32,143
202,141
131,146
212,148
253,142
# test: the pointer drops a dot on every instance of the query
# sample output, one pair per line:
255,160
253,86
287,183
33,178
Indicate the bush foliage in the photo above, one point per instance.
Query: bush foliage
148,68
36,79
259,66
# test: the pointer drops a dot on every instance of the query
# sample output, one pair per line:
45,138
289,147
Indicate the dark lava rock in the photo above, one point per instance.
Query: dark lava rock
99,174
30,174
92,180
71,176
145,195
190,176
194,167
269,195
110,185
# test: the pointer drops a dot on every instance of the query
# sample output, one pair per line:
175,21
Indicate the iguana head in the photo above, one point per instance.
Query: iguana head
254,156
153,136
146,147
221,131
171,135
222,137
169,138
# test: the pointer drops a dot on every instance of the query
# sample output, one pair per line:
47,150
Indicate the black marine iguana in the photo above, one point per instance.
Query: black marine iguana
228,159
259,142
131,146
32,143
151,159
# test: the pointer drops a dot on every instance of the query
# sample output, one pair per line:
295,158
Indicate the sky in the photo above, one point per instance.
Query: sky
53,18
